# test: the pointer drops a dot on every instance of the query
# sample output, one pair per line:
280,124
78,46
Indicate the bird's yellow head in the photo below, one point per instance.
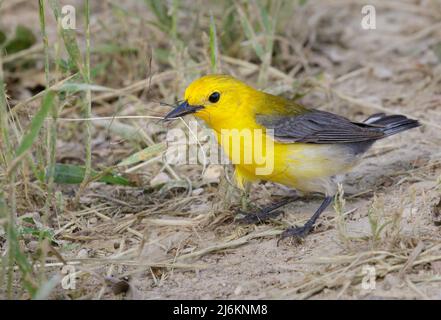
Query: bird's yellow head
217,99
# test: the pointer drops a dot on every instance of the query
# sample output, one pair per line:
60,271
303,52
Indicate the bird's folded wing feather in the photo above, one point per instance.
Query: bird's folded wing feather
318,127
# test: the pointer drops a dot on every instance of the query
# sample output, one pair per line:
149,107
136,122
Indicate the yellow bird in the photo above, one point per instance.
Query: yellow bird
274,139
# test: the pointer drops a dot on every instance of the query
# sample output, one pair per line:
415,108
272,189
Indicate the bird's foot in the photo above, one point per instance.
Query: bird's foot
266,213
261,216
297,233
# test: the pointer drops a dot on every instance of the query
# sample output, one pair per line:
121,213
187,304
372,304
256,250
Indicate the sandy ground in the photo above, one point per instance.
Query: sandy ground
384,244
401,171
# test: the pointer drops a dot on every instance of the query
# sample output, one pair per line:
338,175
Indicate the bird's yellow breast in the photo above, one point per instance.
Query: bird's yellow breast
305,167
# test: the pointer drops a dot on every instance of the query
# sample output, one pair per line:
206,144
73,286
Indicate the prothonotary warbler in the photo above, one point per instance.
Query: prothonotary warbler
303,148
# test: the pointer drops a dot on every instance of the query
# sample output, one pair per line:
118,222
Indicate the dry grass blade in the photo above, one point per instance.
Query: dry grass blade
228,244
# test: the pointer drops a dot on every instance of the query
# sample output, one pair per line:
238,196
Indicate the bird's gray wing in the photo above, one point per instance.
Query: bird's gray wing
319,127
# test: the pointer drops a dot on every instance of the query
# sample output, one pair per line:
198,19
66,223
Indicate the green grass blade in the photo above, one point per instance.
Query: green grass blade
143,155
36,124
73,174
264,16
250,33
69,38
47,288
79,87
160,10
24,39
22,261
213,45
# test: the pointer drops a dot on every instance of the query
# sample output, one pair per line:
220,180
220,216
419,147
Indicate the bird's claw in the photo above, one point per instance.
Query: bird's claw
251,218
297,233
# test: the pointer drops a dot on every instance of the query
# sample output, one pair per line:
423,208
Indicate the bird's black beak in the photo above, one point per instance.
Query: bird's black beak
181,110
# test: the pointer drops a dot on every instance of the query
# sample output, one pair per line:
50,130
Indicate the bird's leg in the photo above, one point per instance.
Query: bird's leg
265,213
301,232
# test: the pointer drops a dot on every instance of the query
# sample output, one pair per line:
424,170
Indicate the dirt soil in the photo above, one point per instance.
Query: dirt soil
180,243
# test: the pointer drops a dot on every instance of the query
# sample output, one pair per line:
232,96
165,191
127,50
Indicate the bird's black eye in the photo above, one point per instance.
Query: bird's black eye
214,97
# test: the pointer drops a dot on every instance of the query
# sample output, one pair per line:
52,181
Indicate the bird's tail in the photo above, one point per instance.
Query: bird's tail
392,124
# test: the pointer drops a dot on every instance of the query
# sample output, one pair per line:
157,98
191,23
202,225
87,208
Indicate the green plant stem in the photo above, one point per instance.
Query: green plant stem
12,242
5,142
87,105
8,213
213,46
45,41
51,141
88,102
270,28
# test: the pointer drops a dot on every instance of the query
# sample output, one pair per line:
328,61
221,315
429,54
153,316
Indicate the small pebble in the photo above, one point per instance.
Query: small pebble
159,179
213,173
82,254
197,191
238,290
33,246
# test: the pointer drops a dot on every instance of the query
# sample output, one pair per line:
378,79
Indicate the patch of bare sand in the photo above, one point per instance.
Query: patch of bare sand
392,67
